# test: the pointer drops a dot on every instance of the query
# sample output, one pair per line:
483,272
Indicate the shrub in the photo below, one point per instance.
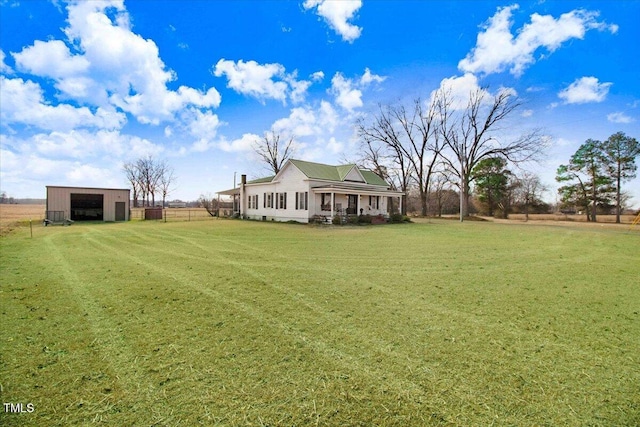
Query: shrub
337,220
364,219
396,217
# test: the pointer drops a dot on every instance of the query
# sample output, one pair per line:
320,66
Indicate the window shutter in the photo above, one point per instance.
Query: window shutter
306,200
297,205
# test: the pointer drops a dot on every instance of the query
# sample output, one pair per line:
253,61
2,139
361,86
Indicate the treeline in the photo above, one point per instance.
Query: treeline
451,151
445,146
149,177
594,175
9,200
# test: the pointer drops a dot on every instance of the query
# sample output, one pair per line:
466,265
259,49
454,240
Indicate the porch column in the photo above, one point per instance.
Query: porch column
333,200
358,205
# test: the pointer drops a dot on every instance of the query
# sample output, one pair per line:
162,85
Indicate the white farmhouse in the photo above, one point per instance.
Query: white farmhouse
305,191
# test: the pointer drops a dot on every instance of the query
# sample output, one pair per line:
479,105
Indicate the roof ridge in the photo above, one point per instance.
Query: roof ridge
323,164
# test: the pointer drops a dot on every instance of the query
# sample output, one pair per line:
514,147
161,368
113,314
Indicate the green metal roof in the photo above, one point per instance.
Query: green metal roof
317,170
327,173
372,178
261,180
335,173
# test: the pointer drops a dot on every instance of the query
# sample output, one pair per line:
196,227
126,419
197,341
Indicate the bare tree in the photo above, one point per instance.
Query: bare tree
150,171
528,191
273,150
440,191
167,179
133,176
379,151
471,134
147,176
410,139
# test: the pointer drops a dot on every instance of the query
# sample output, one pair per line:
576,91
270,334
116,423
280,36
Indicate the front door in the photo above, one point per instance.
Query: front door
120,211
352,208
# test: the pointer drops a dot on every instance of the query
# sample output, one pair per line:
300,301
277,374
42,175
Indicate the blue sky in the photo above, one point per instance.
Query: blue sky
87,86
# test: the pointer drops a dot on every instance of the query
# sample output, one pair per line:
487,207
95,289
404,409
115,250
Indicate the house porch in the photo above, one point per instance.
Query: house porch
331,201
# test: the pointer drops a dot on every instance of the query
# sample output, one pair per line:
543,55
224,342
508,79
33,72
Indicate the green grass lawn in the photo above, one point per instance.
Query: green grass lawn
247,324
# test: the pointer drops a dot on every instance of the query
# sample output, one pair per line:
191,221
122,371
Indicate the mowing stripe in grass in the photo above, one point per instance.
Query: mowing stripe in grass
241,323
336,350
115,352
350,343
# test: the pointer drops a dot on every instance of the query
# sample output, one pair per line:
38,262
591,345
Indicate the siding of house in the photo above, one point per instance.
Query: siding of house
300,177
290,181
59,199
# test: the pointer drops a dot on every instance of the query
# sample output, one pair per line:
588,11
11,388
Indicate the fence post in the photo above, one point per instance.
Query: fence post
189,215
164,213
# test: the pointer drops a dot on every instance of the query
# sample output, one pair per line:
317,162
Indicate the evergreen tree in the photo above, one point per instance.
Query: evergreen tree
593,187
619,155
491,183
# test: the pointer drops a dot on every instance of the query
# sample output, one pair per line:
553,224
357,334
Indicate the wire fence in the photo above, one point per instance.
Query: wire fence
179,214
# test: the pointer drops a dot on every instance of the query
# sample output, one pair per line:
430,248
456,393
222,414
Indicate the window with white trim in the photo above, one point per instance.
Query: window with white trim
253,201
267,200
281,200
302,200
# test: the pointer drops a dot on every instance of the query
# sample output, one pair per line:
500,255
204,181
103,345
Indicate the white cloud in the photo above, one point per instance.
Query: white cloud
262,81
8,161
203,125
50,59
317,76
583,90
368,78
337,14
245,143
298,88
89,175
104,64
75,157
23,103
458,89
527,113
620,117
348,92
334,146
251,78
88,146
301,122
308,122
347,96
497,49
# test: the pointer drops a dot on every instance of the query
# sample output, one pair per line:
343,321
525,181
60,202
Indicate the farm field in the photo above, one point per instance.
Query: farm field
238,323
11,216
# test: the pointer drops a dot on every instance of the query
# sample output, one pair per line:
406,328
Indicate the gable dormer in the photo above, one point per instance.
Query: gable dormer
353,175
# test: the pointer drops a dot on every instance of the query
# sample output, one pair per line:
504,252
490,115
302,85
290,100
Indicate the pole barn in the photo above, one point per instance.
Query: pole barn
87,204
